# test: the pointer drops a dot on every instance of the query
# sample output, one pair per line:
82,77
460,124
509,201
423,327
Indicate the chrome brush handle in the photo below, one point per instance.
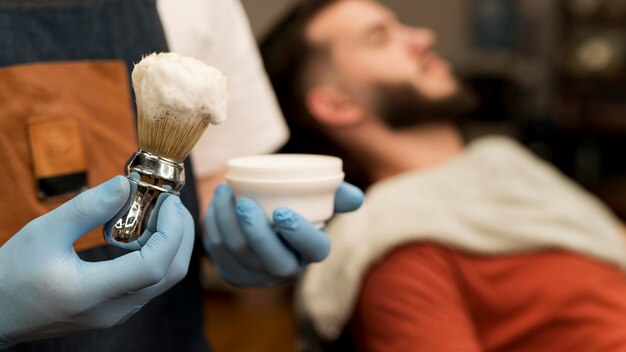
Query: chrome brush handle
150,175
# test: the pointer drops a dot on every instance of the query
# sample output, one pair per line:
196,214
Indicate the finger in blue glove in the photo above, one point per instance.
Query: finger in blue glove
348,198
278,260
310,243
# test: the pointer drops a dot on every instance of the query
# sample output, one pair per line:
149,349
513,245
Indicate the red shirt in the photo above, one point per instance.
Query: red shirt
425,297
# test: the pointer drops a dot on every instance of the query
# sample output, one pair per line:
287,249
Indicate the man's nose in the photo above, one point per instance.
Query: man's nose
420,40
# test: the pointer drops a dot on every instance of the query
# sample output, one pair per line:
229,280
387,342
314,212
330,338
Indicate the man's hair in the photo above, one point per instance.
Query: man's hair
291,63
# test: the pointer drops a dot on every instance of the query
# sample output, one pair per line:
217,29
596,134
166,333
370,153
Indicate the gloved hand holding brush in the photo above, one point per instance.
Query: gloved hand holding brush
177,98
47,290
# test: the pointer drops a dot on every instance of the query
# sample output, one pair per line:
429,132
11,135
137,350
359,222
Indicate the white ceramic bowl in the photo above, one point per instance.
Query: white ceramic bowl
302,182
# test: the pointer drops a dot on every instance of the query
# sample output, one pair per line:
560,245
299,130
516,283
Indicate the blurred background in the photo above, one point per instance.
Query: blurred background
551,73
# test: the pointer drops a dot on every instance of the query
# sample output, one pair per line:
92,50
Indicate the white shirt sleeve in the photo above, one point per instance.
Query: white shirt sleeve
218,33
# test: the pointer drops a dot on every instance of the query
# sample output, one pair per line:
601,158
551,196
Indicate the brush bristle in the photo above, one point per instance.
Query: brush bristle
177,98
169,137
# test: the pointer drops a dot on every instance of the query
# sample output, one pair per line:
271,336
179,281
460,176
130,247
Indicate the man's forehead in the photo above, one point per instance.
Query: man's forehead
345,18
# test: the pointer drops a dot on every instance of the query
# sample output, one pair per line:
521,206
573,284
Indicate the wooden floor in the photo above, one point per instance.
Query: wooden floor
250,320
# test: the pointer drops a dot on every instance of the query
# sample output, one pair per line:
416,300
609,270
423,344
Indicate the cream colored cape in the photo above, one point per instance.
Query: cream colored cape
494,199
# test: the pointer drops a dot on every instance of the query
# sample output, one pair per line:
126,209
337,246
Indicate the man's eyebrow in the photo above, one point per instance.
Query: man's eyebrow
379,26
376,27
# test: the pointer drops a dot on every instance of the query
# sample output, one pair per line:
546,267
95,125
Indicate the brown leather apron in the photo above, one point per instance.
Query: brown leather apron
57,118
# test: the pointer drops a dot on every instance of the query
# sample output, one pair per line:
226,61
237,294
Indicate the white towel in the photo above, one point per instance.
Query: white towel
494,199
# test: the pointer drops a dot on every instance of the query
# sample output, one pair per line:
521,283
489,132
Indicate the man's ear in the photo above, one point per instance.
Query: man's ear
332,107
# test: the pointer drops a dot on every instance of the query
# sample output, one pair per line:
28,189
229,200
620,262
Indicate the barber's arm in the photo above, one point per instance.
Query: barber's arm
47,290
245,248
250,252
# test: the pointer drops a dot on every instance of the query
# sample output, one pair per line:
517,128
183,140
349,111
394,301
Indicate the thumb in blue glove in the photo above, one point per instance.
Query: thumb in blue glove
249,251
47,290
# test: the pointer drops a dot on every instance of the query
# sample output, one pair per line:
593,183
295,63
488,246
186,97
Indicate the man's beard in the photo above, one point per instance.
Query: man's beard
401,106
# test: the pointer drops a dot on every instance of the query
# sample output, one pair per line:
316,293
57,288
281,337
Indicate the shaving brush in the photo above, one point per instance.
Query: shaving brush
177,98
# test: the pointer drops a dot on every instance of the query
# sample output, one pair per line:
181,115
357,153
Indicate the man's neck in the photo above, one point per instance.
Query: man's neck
388,152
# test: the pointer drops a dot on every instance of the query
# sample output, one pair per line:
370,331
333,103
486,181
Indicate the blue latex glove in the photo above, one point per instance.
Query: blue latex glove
47,290
247,250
